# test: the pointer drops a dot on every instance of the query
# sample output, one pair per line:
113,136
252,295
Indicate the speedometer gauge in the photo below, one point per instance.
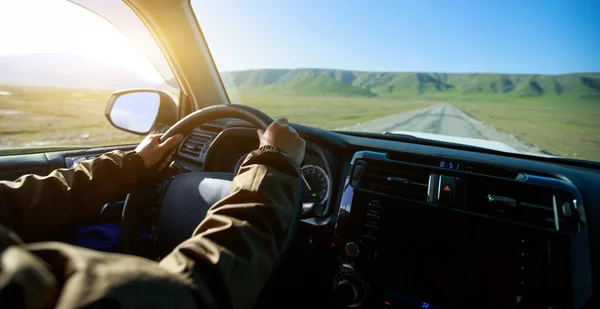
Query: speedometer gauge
316,184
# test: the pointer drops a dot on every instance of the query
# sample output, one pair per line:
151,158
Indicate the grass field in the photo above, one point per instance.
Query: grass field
32,117
567,129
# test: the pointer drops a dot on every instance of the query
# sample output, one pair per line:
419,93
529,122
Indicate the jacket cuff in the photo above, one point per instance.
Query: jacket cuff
273,158
135,159
133,163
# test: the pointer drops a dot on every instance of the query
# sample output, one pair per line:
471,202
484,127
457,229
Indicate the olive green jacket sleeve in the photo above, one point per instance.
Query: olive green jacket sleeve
224,264
34,205
231,254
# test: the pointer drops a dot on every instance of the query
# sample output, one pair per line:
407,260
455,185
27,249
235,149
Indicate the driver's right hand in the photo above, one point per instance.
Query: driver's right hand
284,137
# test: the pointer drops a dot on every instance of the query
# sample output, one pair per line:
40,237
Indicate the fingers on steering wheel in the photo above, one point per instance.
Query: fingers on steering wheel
154,137
171,141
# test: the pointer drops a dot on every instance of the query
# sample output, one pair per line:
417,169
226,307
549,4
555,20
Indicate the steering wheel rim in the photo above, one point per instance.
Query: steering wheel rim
186,125
135,202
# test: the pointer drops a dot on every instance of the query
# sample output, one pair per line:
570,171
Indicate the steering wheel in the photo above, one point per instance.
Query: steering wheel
185,199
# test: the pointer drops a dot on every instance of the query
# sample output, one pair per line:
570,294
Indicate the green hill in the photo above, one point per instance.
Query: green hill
325,82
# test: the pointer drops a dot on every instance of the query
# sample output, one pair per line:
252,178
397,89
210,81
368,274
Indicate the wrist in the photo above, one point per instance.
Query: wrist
271,148
269,156
141,171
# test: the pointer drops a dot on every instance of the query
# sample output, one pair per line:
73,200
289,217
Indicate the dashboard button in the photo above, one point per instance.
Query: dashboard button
371,226
374,204
446,191
372,216
374,211
351,249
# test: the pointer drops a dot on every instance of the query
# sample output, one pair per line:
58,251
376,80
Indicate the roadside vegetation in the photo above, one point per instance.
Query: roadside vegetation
563,125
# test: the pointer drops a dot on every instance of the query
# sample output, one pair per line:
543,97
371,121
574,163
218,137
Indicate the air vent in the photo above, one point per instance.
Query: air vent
401,180
537,204
193,144
549,208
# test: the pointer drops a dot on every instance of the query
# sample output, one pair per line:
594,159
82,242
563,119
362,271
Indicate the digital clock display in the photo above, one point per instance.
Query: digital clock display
450,165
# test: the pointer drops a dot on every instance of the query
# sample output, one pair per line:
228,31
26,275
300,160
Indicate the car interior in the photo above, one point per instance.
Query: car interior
383,220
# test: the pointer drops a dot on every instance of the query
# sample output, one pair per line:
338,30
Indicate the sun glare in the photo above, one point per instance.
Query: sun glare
58,26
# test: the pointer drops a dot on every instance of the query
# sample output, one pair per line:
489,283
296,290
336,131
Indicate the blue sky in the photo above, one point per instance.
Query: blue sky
526,36
498,36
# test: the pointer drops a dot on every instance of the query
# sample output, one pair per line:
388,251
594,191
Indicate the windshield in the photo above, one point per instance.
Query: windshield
519,76
59,63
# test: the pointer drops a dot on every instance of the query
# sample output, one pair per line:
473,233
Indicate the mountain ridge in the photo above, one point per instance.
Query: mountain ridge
70,71
320,82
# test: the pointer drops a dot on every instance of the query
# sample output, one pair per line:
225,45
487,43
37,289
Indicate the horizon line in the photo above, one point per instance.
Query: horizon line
416,72
306,68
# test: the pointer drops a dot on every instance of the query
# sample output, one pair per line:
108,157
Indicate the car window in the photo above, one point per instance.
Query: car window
59,63
515,76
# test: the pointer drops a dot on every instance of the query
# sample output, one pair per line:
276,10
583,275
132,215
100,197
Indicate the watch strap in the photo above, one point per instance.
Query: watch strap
271,148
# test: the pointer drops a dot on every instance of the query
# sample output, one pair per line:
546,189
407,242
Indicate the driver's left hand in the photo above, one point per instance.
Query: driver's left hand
152,151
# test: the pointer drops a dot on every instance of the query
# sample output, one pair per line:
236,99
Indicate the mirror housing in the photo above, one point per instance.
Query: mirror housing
141,111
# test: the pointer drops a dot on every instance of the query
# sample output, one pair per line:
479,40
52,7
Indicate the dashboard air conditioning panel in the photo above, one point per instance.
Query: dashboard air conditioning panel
539,201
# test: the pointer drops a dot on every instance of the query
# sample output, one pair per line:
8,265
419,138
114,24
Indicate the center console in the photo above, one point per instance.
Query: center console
417,233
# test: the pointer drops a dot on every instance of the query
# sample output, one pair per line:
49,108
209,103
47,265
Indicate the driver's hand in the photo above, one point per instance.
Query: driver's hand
284,137
152,151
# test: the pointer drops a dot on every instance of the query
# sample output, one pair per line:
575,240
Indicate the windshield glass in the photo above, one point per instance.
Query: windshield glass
517,76
59,63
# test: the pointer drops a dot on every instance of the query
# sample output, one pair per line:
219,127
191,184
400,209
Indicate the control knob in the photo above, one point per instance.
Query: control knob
351,249
349,288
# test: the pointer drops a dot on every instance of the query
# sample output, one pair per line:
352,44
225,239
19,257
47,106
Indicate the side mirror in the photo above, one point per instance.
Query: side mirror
138,111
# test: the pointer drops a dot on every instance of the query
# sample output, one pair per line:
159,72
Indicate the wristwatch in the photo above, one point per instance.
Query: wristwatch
272,148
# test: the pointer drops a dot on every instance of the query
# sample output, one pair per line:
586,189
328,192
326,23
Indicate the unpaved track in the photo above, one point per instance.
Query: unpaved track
443,119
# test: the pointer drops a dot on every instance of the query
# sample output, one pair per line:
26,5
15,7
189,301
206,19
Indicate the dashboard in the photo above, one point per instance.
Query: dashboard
393,224
409,223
